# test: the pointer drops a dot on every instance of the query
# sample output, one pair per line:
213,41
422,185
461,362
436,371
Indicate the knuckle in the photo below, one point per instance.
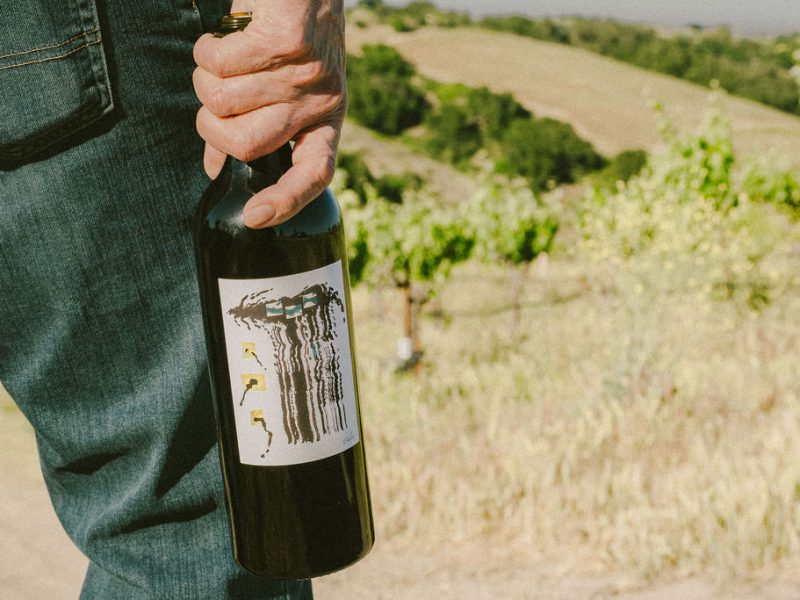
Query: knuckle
333,102
215,60
244,146
309,73
218,100
297,42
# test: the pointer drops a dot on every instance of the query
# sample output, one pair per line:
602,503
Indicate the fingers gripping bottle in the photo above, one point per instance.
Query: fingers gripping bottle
276,310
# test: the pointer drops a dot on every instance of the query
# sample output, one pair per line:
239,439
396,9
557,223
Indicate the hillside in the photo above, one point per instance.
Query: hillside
389,157
604,100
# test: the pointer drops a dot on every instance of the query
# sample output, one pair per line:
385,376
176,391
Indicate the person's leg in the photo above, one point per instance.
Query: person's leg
101,341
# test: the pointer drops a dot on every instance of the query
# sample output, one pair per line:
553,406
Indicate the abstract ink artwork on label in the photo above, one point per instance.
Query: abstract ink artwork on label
291,373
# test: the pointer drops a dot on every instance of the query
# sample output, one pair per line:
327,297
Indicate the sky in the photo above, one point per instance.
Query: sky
753,17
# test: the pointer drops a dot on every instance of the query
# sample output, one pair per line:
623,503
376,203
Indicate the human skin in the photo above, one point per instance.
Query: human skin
281,79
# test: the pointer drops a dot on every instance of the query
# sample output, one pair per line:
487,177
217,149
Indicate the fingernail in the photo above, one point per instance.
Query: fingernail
258,216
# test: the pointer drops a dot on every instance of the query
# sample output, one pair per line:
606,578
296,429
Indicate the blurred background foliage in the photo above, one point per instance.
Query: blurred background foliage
755,69
606,346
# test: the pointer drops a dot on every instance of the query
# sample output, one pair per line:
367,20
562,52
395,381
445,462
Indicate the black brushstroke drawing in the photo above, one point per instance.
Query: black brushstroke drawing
249,352
257,417
250,385
306,356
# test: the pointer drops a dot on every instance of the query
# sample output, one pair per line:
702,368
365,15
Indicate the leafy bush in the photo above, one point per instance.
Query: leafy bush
546,150
541,150
622,167
415,15
546,29
354,175
401,25
452,134
704,162
411,246
509,223
511,226
382,95
494,112
688,225
763,183
414,242
371,4
392,186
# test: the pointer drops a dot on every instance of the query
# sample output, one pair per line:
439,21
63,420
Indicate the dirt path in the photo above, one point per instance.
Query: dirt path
40,563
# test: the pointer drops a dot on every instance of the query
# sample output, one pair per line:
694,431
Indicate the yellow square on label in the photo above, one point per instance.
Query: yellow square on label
256,416
249,349
254,381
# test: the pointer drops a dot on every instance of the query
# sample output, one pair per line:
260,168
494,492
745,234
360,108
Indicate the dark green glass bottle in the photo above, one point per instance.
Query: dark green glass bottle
276,310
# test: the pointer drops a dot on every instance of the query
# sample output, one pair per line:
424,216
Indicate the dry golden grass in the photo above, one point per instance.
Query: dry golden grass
644,413
653,437
606,101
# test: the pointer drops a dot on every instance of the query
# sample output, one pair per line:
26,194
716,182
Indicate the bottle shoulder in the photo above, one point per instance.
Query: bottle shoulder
221,210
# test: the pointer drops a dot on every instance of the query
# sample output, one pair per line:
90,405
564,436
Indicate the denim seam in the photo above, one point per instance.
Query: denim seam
84,117
49,58
53,46
100,104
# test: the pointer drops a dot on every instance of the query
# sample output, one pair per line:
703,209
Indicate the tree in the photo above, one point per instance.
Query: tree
511,226
451,134
412,246
545,150
382,95
624,165
371,4
494,112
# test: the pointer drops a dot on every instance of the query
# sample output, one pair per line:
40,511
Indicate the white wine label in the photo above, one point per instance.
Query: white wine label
290,366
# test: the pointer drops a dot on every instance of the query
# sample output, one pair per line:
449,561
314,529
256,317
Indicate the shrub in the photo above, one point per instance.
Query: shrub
356,175
494,112
688,226
623,166
547,150
382,95
452,134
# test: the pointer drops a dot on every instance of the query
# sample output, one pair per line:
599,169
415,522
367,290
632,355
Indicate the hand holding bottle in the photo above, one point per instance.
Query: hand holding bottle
289,424
281,79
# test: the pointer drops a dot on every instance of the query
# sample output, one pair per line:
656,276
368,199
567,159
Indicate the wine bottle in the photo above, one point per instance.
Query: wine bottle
276,310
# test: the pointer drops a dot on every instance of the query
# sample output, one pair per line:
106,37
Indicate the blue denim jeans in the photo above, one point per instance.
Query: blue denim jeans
101,340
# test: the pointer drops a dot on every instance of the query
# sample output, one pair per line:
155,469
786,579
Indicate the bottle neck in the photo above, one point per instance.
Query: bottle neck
267,170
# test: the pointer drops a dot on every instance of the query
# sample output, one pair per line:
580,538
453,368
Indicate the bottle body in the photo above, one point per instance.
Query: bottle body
276,311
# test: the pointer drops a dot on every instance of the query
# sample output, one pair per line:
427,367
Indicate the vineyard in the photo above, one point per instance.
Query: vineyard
577,326
611,378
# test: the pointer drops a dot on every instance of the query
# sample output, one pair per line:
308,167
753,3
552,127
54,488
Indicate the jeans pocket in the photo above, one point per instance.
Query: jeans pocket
53,74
